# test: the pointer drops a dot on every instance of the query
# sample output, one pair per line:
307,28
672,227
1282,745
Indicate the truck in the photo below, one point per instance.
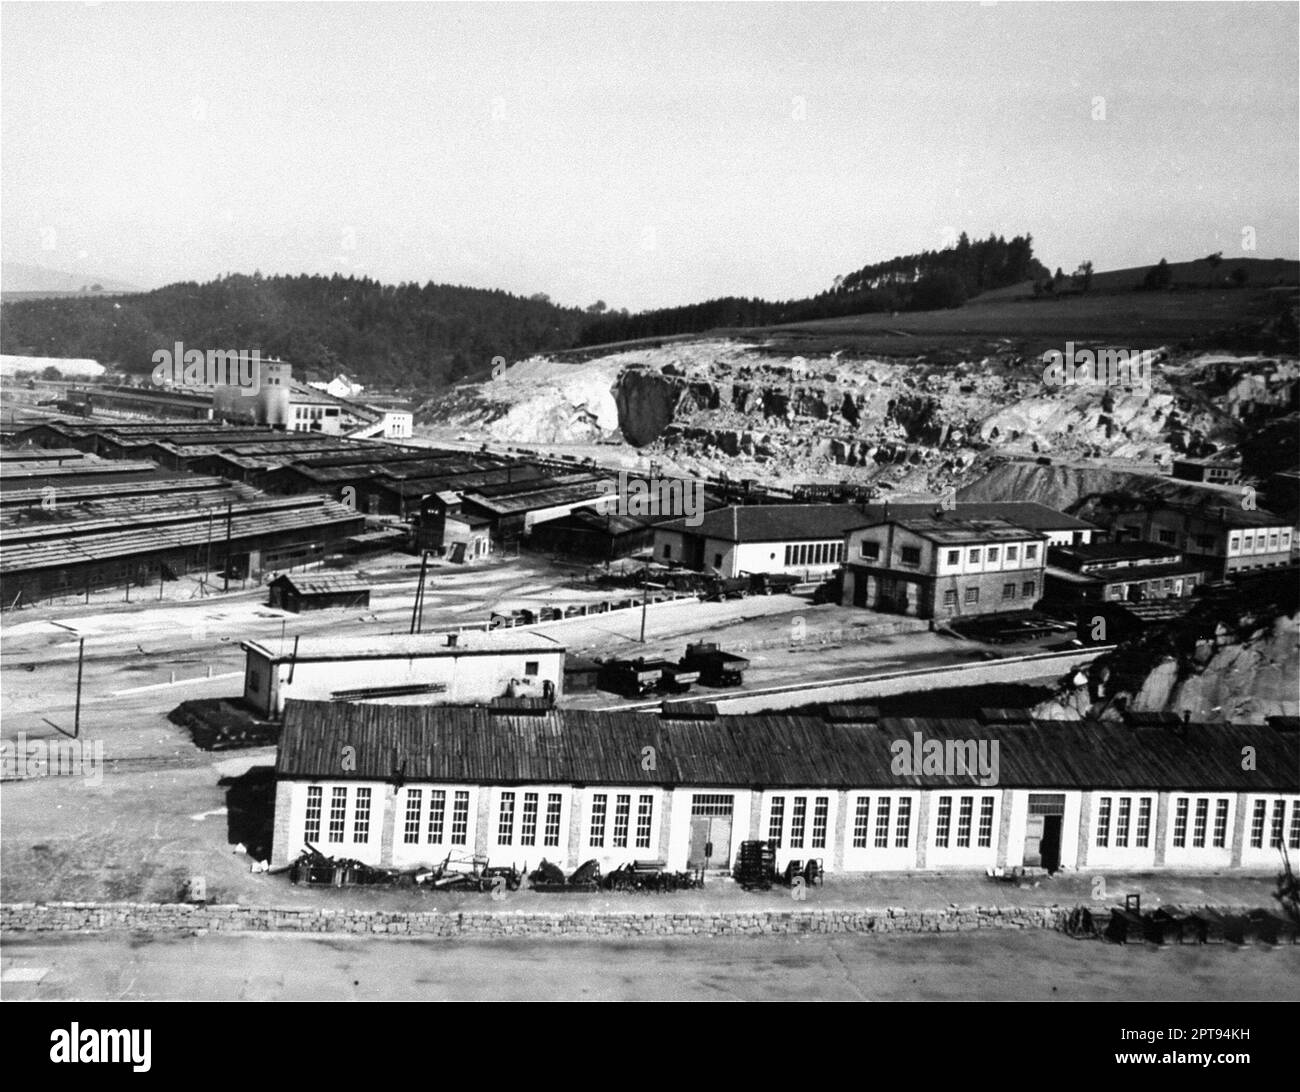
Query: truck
630,678
716,668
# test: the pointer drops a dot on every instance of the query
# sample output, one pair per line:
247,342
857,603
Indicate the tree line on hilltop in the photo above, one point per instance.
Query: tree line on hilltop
427,336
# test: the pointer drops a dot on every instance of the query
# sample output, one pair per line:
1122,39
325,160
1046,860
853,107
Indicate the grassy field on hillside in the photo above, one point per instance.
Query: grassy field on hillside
1210,318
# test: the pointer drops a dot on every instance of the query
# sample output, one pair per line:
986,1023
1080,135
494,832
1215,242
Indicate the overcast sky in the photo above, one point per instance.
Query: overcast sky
642,154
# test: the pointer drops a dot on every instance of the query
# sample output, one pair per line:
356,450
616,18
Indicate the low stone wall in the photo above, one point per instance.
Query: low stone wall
188,918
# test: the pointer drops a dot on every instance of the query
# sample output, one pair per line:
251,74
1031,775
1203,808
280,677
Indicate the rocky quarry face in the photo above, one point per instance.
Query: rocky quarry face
1226,679
720,405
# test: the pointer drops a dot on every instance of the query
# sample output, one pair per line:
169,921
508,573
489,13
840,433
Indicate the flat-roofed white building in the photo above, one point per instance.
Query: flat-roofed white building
418,669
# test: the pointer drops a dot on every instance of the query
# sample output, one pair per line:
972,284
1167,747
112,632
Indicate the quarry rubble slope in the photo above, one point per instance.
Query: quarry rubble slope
717,405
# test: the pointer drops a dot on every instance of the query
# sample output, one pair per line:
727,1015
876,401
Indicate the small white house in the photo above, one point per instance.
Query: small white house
419,669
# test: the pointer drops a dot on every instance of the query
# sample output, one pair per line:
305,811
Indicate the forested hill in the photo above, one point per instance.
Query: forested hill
929,281
408,335
427,336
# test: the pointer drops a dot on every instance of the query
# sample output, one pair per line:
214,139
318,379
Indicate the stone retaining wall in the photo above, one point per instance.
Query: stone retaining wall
187,918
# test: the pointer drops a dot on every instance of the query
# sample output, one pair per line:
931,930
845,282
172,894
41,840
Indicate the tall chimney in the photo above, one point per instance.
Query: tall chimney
451,640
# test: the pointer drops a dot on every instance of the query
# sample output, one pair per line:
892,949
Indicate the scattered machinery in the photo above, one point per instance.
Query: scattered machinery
756,868
549,878
651,876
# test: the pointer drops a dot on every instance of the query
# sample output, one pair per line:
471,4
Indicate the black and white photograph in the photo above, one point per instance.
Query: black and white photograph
651,502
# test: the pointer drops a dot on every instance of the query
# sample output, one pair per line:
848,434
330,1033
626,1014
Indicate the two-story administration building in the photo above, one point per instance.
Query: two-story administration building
941,566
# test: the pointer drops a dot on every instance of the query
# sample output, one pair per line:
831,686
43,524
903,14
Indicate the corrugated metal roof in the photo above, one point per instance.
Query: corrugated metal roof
469,744
318,584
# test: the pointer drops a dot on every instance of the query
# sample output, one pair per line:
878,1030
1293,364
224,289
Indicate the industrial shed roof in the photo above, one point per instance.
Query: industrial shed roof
773,522
951,530
476,744
323,584
258,522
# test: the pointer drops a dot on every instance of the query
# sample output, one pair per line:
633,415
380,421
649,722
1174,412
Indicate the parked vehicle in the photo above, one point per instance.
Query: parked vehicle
716,668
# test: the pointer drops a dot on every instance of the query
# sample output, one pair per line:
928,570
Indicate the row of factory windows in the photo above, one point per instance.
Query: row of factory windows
1119,819
814,553
1027,591
1193,812
911,555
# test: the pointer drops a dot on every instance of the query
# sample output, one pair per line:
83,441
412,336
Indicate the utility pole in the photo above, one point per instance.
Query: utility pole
226,568
645,600
76,716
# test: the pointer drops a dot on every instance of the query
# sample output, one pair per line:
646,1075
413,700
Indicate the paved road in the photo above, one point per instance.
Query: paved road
1029,965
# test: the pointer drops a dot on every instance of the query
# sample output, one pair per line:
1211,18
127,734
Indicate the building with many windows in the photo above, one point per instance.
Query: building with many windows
1229,536
519,784
804,539
1122,572
943,566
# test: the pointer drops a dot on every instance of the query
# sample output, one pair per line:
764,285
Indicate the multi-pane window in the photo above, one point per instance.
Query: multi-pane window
861,822
1011,552
411,826
1257,825
903,826
1031,551
712,803
506,819
361,816
1122,822
644,815
975,557
1221,824
1180,823
776,821
622,812
460,817
964,816
599,805
1008,591
1279,811
1028,590
882,823
944,823
338,812
798,820
972,595
870,550
1202,821
1103,822
986,822
312,831
1293,841
551,837
993,554
437,814
950,598
528,820
1142,838
821,810
954,557
910,555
